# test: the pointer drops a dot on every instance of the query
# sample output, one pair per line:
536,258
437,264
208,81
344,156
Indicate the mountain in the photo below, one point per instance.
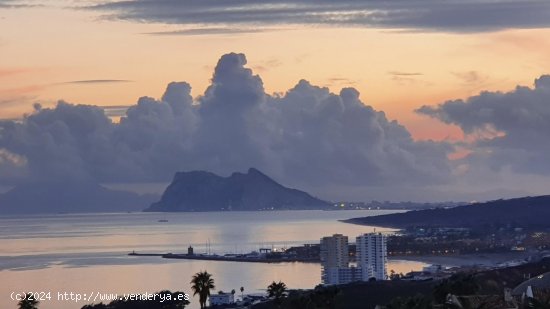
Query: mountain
518,212
69,197
204,191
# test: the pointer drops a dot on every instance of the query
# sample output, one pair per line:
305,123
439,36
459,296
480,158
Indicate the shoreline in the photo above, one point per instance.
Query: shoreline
223,258
459,260
358,221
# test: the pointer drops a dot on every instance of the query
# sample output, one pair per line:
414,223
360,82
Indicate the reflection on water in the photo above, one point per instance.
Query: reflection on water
87,253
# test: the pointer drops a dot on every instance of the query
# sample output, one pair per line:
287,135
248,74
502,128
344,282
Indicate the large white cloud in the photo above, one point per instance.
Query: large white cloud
308,137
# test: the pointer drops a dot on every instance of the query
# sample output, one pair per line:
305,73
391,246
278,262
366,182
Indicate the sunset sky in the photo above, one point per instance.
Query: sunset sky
399,55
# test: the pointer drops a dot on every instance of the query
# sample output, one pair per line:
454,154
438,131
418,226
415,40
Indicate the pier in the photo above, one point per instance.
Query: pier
268,258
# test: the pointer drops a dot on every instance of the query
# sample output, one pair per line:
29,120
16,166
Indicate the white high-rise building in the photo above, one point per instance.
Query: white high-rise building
372,256
334,258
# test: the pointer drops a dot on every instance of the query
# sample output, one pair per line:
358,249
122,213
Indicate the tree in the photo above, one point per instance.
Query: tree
537,303
301,301
325,297
233,293
395,276
416,302
171,300
277,290
96,306
242,292
29,302
201,284
458,284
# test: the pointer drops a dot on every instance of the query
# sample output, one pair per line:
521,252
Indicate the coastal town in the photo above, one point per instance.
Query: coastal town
346,264
410,242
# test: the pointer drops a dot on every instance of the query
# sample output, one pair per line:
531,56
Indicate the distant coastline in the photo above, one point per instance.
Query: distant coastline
458,260
525,212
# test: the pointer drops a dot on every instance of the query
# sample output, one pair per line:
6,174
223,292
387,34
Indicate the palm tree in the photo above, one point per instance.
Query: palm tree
202,283
277,290
29,302
233,293
242,293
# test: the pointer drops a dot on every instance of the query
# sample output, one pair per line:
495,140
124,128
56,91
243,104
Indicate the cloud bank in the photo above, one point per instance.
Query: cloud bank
430,15
330,144
511,130
307,137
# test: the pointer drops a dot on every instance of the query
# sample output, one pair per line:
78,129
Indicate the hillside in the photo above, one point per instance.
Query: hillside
204,191
69,197
487,285
518,212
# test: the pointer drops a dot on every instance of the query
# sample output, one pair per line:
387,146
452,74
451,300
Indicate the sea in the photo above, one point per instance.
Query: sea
87,254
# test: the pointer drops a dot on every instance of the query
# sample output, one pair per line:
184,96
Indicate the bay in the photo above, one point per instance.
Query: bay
87,253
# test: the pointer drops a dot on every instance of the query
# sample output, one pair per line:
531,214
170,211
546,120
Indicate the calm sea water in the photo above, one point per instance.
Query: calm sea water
85,253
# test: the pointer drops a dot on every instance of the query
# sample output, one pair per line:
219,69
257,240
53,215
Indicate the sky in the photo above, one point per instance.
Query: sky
352,100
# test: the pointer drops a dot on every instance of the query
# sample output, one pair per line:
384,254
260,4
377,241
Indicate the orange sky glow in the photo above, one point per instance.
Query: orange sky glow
44,50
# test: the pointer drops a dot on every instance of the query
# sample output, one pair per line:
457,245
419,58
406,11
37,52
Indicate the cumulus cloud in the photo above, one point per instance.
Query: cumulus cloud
12,165
307,136
431,15
511,130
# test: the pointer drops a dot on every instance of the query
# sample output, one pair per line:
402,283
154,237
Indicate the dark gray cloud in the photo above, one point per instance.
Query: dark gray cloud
430,15
512,129
333,81
308,137
6,4
16,4
208,31
408,78
406,74
98,81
